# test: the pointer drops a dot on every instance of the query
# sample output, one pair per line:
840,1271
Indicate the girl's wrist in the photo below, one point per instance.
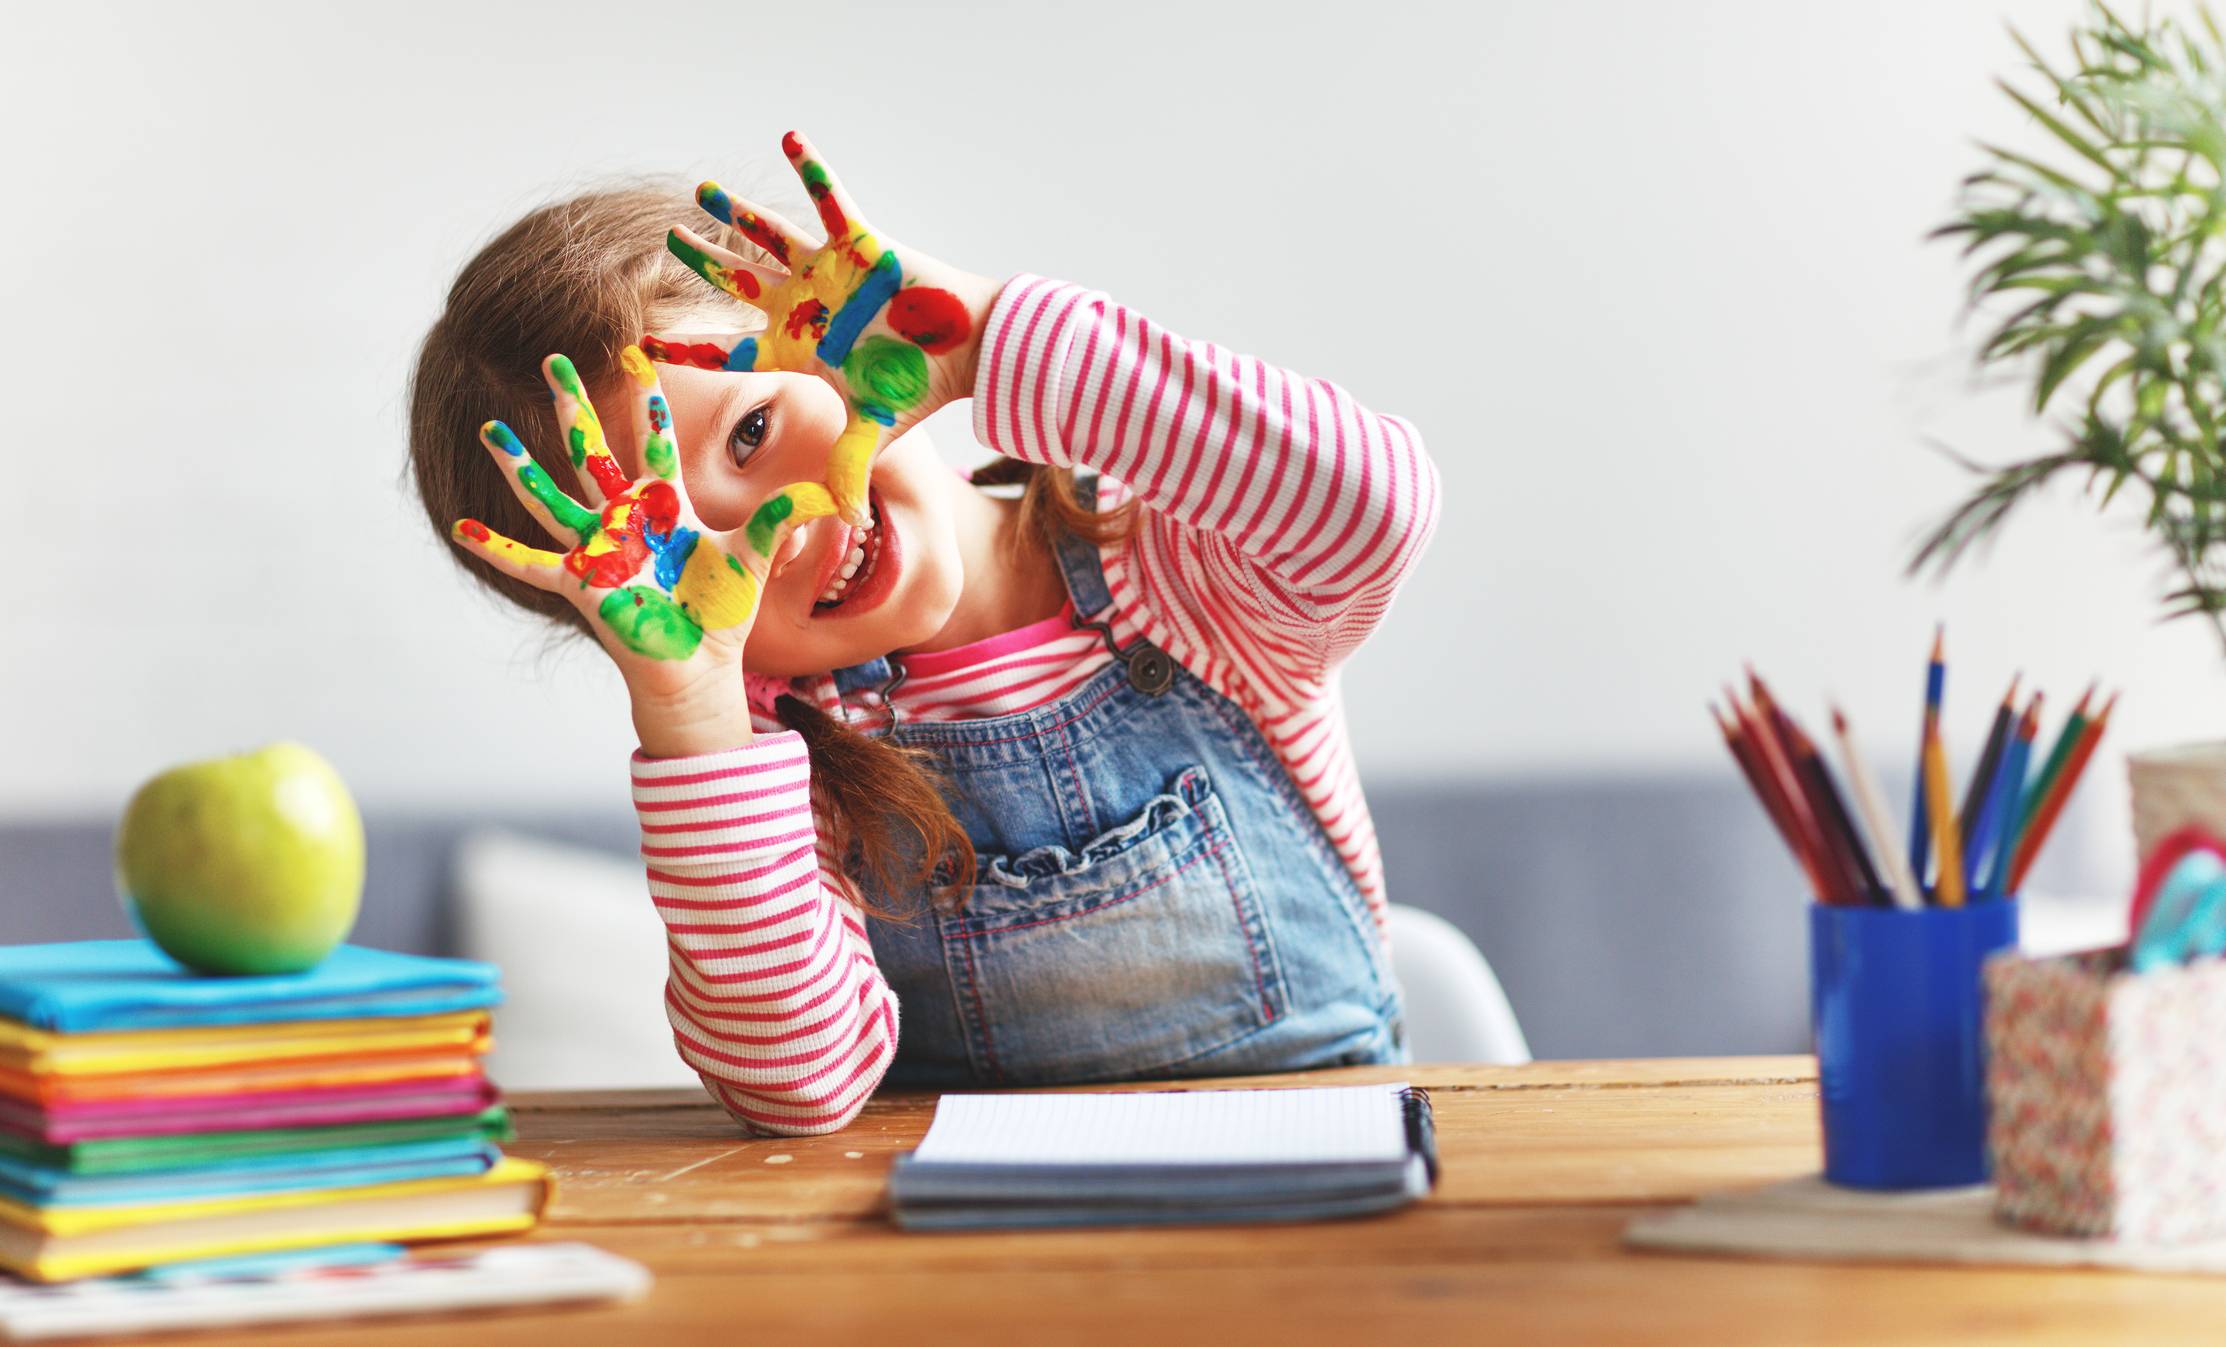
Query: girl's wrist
686,725
979,296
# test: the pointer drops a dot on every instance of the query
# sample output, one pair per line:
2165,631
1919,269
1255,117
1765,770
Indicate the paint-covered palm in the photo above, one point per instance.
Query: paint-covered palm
894,331
660,591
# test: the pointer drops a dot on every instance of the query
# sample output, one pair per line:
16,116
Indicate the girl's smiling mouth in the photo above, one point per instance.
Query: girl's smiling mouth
862,570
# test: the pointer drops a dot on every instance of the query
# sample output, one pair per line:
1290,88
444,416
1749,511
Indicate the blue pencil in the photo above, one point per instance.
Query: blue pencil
1920,821
2009,814
1992,819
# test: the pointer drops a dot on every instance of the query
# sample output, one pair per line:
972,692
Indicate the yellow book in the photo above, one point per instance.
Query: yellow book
38,1052
59,1243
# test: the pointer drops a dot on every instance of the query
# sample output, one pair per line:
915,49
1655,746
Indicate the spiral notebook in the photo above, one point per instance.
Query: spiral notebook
1166,1158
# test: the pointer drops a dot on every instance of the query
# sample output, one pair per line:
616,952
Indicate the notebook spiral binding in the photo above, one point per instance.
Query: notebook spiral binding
1422,1131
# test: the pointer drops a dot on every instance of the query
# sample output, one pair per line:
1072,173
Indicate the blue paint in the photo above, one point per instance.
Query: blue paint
850,320
503,438
744,355
671,550
874,411
713,198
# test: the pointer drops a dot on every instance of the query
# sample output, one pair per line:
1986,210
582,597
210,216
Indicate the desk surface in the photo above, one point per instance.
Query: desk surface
783,1241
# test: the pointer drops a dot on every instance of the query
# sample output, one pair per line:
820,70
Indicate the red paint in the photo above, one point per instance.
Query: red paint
660,506
932,319
701,354
763,235
610,479
472,529
791,146
744,280
810,313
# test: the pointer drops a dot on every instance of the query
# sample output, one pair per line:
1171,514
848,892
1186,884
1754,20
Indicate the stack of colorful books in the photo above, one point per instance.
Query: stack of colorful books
150,1115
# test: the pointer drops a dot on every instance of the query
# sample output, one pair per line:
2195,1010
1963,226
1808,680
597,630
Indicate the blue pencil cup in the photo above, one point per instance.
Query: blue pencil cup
1895,997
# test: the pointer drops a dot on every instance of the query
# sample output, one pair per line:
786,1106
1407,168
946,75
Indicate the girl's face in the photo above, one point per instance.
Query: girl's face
743,437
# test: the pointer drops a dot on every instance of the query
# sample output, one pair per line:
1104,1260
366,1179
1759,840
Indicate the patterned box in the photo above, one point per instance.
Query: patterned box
2106,1095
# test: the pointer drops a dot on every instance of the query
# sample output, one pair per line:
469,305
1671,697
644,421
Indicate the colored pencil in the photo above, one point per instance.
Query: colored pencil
1744,753
2020,757
1920,823
1870,802
1839,828
1981,788
1997,811
1777,737
1783,796
1947,885
2037,793
2059,791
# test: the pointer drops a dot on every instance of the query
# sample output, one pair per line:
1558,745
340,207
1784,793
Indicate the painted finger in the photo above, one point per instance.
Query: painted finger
652,415
760,226
838,214
565,518
730,271
599,473
534,565
849,465
721,590
730,354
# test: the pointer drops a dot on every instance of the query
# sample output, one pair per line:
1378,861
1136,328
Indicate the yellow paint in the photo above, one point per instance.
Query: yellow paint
834,273
635,363
715,590
849,464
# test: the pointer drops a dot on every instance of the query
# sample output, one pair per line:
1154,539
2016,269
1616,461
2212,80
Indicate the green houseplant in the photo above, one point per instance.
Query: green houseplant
2100,260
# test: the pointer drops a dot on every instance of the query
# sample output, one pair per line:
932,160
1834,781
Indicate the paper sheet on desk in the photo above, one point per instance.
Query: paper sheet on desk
1808,1218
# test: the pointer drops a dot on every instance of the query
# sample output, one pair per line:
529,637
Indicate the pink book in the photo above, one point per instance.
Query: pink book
106,1118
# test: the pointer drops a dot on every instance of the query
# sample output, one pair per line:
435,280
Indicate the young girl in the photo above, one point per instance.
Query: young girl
1058,782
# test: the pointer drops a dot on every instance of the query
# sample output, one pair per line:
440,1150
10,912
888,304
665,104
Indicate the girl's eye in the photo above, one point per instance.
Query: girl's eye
747,435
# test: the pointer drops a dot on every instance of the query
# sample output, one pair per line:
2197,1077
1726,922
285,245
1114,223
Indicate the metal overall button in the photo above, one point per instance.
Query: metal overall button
1150,671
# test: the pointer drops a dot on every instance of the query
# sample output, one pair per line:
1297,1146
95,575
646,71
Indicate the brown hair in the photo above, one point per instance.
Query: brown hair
585,276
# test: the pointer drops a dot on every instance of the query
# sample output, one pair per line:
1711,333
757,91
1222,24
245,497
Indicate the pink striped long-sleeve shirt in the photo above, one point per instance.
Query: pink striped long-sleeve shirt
1280,517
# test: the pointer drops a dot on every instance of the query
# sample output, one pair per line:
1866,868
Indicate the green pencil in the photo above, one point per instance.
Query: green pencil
2074,725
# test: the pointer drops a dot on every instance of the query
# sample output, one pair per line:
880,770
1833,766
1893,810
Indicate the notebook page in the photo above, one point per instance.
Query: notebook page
1334,1124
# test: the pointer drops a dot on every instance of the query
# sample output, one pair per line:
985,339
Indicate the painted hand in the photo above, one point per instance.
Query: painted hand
653,583
896,333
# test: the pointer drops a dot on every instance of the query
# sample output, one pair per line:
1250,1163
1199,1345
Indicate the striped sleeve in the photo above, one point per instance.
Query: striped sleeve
1283,514
772,991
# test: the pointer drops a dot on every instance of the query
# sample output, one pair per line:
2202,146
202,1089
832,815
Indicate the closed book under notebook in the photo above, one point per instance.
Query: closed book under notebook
1159,1158
90,985
52,1243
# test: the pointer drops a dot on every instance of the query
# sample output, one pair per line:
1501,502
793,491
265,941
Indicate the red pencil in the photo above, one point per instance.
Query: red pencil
1773,732
1744,752
2059,792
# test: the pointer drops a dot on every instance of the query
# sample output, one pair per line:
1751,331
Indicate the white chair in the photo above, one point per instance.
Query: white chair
1456,1011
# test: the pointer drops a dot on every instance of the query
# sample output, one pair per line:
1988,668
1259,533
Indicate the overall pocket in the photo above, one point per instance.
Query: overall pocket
1145,948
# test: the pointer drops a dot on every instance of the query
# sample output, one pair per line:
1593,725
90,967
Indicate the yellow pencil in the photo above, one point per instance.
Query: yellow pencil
1947,845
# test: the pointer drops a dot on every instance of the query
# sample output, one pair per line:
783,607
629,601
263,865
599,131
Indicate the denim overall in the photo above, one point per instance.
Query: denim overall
1152,896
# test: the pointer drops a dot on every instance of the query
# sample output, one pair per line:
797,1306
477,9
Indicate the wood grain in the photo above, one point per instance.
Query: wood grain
776,1240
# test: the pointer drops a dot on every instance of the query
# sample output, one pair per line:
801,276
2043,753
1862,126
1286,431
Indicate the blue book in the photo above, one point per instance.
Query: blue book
353,1167
89,985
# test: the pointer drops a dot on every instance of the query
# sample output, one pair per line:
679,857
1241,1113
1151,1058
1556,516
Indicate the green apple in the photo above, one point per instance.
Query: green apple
247,864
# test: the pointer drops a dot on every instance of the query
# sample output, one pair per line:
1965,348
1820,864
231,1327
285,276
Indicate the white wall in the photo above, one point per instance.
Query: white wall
1651,277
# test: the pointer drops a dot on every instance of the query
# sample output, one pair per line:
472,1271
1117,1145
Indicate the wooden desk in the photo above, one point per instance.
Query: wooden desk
781,1242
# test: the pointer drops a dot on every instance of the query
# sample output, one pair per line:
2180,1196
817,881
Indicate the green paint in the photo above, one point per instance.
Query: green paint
567,377
650,623
764,527
887,372
697,260
566,511
815,175
658,453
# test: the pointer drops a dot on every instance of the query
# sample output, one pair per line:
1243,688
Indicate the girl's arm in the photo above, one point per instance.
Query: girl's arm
773,993
1284,514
